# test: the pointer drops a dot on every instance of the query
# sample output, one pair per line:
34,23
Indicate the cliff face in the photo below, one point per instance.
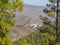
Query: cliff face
30,15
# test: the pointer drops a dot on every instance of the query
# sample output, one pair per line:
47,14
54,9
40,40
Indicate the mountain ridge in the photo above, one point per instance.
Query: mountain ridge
34,5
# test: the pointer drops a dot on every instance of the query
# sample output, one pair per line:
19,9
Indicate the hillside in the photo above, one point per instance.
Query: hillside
32,11
30,15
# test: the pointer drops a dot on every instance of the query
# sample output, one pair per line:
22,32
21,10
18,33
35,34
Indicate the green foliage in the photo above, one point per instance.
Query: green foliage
52,1
46,10
41,36
44,35
21,41
57,44
51,28
51,14
43,17
5,41
20,4
7,9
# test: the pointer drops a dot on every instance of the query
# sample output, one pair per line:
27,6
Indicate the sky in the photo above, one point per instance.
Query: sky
36,2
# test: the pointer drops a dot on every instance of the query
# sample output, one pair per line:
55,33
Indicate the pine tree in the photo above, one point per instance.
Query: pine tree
53,11
7,9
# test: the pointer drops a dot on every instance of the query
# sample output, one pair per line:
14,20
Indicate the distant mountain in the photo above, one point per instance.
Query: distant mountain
28,5
32,11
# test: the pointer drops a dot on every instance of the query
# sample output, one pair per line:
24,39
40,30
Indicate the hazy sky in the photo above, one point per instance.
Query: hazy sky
36,2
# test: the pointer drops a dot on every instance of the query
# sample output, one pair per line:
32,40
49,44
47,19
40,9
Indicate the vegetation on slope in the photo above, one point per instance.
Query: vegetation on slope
44,35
